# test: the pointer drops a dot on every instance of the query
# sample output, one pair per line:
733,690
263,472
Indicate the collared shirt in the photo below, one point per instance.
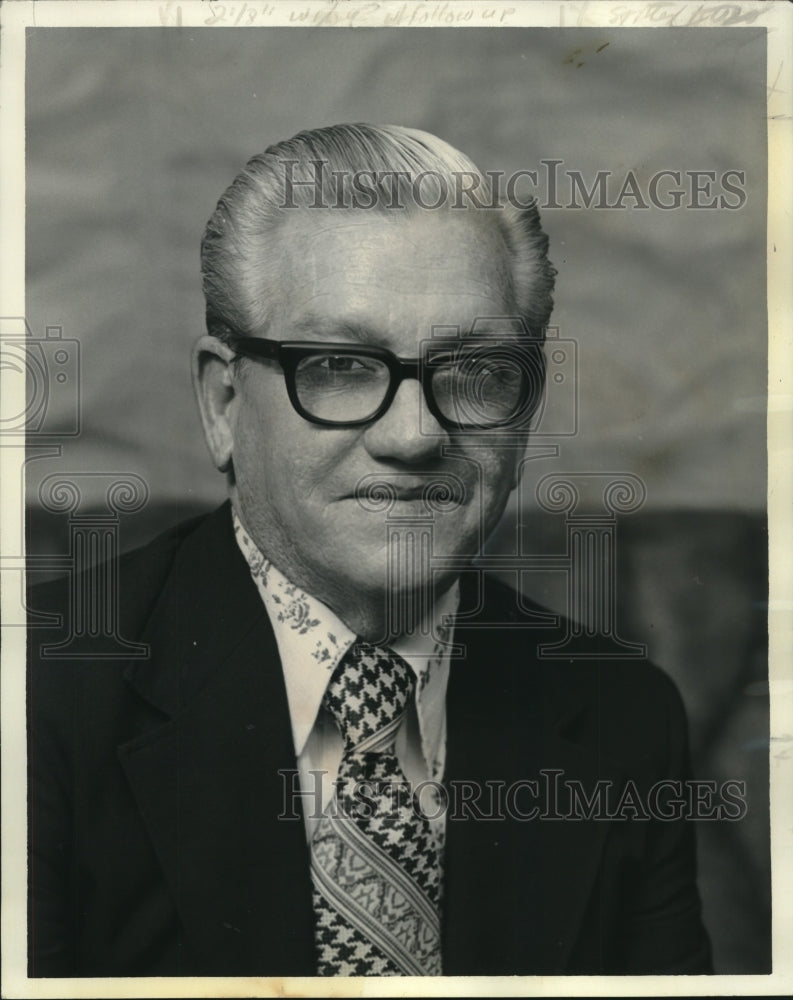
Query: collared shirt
311,642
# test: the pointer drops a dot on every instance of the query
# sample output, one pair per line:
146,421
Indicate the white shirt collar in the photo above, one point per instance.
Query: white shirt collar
312,640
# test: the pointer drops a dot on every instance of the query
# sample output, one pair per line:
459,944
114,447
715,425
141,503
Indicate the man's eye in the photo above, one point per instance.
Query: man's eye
485,366
341,363
505,370
341,366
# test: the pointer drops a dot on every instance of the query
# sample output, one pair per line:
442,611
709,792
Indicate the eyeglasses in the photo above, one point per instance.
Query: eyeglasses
468,384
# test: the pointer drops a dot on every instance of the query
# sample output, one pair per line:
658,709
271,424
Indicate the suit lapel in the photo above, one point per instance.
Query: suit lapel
207,783
207,779
515,889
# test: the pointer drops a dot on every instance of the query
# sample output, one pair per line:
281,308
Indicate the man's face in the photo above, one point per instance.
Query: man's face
389,279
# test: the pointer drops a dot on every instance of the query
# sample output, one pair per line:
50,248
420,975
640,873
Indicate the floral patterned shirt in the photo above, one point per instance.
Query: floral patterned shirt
311,642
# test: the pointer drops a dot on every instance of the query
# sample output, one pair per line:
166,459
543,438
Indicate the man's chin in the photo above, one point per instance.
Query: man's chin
379,603
404,575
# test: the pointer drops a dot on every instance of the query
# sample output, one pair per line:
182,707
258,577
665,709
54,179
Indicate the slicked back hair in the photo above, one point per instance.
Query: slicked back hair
391,165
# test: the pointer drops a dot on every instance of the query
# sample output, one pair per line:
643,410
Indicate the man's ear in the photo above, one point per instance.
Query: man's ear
215,389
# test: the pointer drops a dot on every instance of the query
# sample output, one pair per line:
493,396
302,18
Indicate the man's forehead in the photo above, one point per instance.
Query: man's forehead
397,229
357,267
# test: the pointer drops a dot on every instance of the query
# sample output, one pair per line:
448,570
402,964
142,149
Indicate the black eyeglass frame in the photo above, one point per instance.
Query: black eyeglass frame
288,354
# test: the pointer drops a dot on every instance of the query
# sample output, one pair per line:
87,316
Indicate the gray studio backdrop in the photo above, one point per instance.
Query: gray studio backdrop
133,134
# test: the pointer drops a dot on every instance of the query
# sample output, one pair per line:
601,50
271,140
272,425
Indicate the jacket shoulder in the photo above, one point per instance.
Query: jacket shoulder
590,689
135,579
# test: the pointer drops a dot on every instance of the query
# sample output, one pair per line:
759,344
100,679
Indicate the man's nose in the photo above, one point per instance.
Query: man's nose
407,431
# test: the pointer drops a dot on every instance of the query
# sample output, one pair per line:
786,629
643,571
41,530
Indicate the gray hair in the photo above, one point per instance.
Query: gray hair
304,172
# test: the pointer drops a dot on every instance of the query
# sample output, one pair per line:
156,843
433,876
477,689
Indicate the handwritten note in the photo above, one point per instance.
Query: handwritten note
682,15
340,13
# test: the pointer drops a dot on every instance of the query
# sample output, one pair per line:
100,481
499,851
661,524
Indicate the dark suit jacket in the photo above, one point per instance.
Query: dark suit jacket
156,847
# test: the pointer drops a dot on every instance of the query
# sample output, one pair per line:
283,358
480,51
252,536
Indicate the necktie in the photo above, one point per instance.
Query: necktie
374,859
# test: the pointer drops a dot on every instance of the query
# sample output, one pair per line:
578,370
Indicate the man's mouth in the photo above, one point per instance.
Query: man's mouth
437,491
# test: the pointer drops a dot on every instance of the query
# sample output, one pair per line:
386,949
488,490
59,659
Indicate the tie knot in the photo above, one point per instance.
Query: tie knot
367,695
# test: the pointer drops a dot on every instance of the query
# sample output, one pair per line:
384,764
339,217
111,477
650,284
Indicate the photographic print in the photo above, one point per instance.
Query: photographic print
386,448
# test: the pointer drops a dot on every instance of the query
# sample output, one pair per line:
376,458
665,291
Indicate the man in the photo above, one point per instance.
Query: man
342,753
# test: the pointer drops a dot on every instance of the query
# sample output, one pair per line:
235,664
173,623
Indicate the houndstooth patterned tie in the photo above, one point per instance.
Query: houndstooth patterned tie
374,859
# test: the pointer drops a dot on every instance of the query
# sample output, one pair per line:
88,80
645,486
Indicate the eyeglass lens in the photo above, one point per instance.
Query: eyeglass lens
341,386
481,387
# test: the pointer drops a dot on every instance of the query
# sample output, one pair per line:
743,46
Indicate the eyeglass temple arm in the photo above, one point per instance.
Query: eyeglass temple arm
256,347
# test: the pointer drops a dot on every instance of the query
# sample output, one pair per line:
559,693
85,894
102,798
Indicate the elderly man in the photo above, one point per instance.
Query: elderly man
341,755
